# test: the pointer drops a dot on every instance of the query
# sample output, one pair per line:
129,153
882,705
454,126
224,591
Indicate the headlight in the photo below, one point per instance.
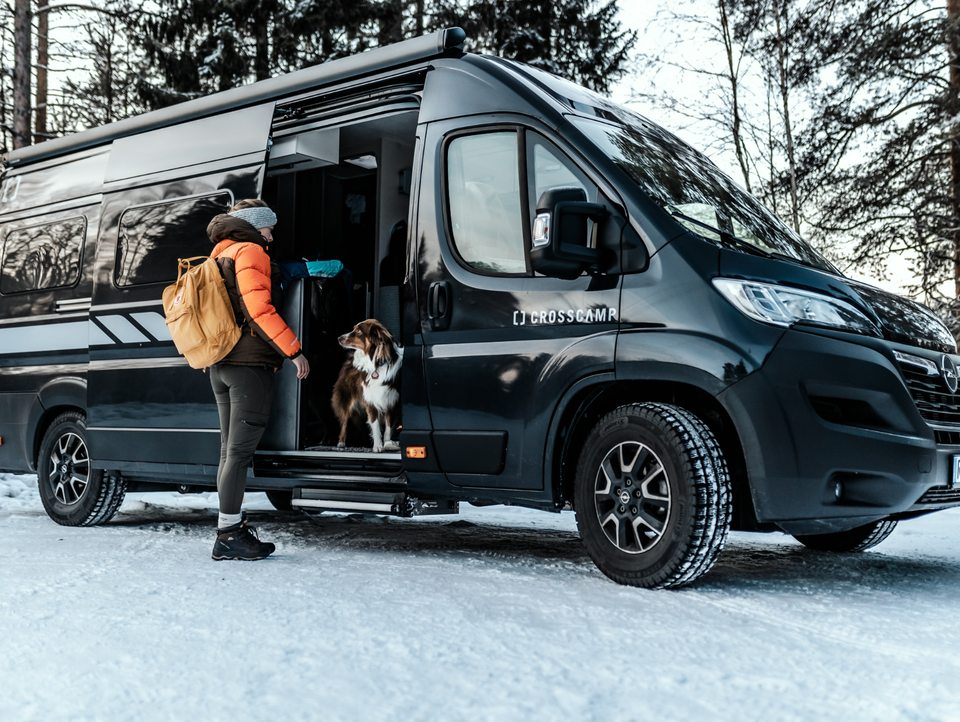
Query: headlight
784,306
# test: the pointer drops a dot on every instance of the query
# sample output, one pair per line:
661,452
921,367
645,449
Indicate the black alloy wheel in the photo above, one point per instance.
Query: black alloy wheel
652,496
632,497
74,493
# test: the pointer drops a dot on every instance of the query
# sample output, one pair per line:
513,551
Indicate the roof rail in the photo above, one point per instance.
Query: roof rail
378,59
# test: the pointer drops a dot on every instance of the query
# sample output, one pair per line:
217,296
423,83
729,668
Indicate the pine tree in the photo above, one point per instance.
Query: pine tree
108,93
199,47
880,151
575,39
6,78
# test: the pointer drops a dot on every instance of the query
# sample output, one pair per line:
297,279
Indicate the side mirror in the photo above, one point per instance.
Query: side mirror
559,242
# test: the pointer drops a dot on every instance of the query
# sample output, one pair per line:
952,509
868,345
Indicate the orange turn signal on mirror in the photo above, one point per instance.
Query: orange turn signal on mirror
416,452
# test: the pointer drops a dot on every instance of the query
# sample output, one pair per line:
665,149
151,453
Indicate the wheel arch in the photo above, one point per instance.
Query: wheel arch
55,397
589,400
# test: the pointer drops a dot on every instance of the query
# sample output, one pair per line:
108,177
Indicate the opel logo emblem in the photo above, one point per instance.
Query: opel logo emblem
625,495
949,370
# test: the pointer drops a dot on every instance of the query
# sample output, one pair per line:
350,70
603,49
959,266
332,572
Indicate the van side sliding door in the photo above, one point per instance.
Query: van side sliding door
148,410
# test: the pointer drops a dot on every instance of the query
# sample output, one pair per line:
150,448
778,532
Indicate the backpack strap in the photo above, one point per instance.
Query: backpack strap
184,263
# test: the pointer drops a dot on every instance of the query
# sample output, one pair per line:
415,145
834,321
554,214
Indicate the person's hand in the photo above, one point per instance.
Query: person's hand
303,366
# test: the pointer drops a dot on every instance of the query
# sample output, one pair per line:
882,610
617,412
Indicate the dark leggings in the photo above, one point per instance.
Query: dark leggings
244,395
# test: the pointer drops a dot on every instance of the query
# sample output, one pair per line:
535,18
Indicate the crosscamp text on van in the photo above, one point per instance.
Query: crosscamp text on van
594,317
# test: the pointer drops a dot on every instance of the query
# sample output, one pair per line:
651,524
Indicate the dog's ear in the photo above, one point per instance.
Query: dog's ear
380,340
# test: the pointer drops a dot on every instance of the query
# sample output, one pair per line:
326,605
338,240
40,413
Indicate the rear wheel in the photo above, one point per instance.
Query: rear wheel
73,493
858,539
281,500
652,496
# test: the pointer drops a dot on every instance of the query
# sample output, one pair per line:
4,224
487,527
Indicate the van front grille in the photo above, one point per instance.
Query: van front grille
941,495
947,438
933,399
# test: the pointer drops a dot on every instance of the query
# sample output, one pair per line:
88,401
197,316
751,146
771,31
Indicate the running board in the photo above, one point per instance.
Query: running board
396,503
320,465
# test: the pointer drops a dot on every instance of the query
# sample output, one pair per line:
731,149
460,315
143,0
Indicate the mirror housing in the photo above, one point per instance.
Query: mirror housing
558,245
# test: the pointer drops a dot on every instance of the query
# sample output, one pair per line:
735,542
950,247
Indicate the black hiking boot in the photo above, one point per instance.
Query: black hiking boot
240,542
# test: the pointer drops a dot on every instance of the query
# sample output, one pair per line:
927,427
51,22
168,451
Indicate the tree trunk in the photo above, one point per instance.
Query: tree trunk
391,23
261,60
738,143
43,59
771,146
953,107
784,94
22,37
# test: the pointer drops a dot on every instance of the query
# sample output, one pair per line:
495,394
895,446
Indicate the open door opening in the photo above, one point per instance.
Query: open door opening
341,193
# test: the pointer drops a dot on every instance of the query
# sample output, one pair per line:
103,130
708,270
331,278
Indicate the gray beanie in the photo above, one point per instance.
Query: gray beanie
258,217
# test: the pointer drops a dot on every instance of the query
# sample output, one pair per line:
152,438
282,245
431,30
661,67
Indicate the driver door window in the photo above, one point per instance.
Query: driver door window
484,193
552,169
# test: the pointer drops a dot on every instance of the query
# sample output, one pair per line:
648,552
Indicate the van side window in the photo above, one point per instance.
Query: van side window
550,168
43,256
483,189
151,238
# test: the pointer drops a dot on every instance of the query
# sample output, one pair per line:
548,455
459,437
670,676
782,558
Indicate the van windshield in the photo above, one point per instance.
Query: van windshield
691,188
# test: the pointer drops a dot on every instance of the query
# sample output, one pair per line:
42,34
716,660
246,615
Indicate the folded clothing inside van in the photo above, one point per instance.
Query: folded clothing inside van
309,269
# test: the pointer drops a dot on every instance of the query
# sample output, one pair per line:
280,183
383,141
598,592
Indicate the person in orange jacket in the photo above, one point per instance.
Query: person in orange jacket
243,380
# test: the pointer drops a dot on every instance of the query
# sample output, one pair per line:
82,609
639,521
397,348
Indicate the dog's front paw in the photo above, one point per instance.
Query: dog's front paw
391,446
377,448
341,444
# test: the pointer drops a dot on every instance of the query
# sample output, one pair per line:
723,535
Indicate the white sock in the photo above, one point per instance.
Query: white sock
225,520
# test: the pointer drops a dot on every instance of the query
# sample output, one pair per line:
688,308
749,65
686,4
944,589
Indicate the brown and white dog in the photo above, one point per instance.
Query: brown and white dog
368,383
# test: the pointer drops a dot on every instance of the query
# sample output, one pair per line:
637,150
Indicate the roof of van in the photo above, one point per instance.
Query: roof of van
390,56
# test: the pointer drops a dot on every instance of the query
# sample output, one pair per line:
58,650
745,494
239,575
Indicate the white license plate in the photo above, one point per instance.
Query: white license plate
956,470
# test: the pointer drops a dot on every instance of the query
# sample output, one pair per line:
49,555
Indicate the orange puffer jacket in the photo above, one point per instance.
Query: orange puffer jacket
253,282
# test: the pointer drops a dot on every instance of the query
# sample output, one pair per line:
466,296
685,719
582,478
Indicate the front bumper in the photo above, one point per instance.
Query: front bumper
832,438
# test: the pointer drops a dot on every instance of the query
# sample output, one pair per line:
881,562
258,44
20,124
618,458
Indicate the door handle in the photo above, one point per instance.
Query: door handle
439,303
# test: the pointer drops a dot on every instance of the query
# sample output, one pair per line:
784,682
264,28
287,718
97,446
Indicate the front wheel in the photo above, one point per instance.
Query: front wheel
858,539
72,492
652,496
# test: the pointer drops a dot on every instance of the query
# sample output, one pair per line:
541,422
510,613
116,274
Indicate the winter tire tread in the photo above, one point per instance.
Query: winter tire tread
704,466
858,539
108,491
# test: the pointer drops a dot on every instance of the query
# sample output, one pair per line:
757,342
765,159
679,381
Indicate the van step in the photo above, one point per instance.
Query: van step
396,503
319,464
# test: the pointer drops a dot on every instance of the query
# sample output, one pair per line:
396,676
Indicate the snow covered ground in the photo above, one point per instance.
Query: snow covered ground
496,614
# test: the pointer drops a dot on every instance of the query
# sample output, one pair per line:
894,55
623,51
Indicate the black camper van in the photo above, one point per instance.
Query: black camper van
593,316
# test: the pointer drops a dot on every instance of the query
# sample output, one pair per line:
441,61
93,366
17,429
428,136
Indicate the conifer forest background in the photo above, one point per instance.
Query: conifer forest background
840,115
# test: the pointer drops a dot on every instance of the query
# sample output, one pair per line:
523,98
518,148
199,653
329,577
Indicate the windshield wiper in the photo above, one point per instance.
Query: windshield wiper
728,237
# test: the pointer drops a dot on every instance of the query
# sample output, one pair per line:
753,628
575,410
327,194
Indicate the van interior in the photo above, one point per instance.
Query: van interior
341,193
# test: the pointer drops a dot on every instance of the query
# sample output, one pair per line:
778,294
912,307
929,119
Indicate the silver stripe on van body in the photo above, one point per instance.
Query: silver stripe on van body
44,370
121,327
36,338
151,429
73,304
154,323
121,306
46,317
79,335
122,364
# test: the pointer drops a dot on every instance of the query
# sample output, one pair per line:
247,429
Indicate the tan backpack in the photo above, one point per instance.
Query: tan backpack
199,314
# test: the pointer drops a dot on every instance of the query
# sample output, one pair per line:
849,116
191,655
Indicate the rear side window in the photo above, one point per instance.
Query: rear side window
42,256
483,185
152,237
